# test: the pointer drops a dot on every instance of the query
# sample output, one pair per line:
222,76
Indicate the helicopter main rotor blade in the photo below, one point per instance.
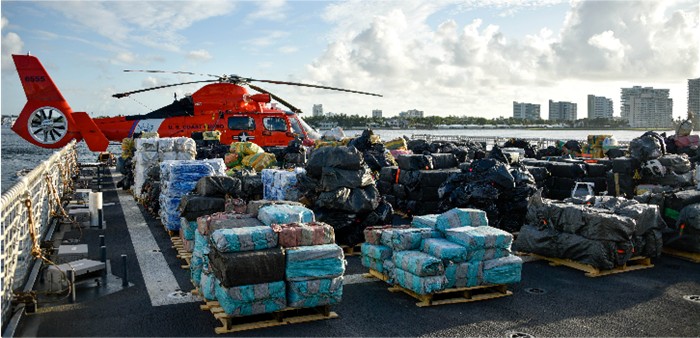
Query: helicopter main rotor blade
277,98
125,94
168,72
314,86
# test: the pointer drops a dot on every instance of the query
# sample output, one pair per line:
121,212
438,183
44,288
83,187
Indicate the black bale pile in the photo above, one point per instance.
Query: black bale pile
210,196
603,237
491,185
251,184
375,155
151,190
530,150
339,187
558,176
293,155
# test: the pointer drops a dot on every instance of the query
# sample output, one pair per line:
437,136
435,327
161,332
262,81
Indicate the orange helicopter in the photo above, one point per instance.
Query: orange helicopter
224,105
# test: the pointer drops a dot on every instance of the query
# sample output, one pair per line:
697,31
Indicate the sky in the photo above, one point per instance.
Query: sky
443,57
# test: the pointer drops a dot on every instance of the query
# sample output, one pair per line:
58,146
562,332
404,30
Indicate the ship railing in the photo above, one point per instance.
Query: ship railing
38,194
489,141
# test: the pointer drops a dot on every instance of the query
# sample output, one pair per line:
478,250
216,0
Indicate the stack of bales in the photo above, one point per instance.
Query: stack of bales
559,177
374,153
397,147
247,155
604,237
281,184
682,213
413,185
150,152
178,178
595,145
453,249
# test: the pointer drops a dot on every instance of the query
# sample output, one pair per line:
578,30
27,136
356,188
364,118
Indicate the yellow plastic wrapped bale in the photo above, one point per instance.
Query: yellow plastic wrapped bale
374,139
596,141
259,161
396,144
245,148
128,148
232,159
212,135
320,144
346,141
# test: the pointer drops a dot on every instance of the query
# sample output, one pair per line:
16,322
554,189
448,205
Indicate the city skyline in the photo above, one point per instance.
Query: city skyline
464,57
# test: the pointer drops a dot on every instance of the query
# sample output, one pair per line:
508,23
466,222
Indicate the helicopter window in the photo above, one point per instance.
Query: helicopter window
241,123
275,124
296,127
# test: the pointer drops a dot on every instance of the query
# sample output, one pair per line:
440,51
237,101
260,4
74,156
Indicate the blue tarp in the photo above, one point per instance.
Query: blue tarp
315,262
407,239
244,239
252,299
317,292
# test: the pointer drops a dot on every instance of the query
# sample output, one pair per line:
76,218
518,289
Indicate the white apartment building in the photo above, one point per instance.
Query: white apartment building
562,111
317,110
377,113
599,107
526,111
694,100
646,107
411,113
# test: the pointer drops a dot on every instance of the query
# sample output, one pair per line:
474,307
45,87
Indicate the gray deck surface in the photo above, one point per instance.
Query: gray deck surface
646,302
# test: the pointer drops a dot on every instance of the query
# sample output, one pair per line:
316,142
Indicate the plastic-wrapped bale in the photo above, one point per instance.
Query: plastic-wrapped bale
460,217
193,206
407,239
284,214
207,286
444,249
686,233
506,270
224,220
145,156
373,234
374,264
482,237
187,228
258,162
254,206
218,186
244,239
334,178
377,252
315,262
418,263
419,285
316,292
254,299
466,274
248,267
304,234
281,184
415,162
169,215
354,200
199,262
176,148
336,157
425,221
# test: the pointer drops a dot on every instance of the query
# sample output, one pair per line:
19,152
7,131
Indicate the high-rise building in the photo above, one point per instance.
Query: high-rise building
411,113
646,107
694,100
526,111
317,110
562,111
377,113
599,107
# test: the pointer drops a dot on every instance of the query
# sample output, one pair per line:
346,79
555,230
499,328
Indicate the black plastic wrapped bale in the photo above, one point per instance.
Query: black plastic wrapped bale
384,188
422,207
625,165
418,146
686,233
377,157
348,158
647,147
530,150
539,173
597,170
620,185
540,240
424,194
444,161
388,174
674,203
600,184
412,179
569,170
337,219
357,200
415,162
679,164
603,255
550,151
193,206
671,179
334,178
561,183
648,197
529,162
364,141
400,191
219,186
248,267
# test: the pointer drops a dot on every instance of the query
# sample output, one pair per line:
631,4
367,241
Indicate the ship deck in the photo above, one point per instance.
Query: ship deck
549,301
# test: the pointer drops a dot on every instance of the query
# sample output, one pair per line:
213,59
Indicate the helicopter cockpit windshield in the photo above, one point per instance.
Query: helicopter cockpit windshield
310,131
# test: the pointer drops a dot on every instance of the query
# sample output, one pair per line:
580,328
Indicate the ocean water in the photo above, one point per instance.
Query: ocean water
17,154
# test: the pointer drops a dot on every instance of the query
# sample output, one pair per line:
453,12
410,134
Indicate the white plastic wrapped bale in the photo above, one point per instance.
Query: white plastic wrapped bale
145,156
177,179
177,148
281,184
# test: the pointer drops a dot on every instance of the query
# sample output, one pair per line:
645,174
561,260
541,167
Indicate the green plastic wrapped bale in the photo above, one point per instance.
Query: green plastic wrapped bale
254,299
188,228
481,237
506,270
316,292
314,262
244,239
467,274
207,286
373,264
418,263
425,221
420,285
378,252
444,249
460,217
407,239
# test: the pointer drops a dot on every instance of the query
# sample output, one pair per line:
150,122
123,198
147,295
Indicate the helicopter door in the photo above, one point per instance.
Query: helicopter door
276,130
242,128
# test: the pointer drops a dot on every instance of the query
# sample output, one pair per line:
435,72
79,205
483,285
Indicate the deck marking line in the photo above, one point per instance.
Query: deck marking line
157,275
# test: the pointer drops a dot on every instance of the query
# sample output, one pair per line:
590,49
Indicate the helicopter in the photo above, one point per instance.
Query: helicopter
223,104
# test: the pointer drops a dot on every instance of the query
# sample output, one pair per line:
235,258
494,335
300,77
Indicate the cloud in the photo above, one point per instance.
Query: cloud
11,44
126,57
273,10
199,55
288,49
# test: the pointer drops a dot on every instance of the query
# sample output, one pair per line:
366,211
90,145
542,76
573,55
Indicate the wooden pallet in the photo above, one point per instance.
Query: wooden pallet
689,256
457,295
278,318
634,263
181,252
352,250
376,274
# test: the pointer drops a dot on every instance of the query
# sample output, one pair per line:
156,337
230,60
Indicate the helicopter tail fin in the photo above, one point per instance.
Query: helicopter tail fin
47,120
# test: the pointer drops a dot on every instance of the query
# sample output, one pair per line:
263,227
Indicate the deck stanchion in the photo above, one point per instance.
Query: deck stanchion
103,254
102,240
71,284
125,281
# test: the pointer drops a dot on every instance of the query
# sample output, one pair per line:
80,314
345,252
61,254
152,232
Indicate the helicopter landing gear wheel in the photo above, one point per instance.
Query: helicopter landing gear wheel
47,125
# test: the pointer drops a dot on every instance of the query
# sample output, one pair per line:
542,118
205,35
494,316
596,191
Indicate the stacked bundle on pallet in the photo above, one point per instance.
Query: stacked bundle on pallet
603,237
373,151
178,178
314,275
152,151
343,193
450,250
247,155
491,185
209,196
559,177
281,184
682,213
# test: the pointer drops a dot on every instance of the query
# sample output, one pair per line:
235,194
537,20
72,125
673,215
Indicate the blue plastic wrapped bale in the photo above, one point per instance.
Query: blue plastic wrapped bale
254,299
482,237
486,254
418,263
390,271
316,292
207,286
188,228
504,270
467,274
460,217
420,285
315,262
284,214
444,249
373,234
379,252
407,239
425,221
371,263
217,165
244,239
196,264
169,214
267,176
